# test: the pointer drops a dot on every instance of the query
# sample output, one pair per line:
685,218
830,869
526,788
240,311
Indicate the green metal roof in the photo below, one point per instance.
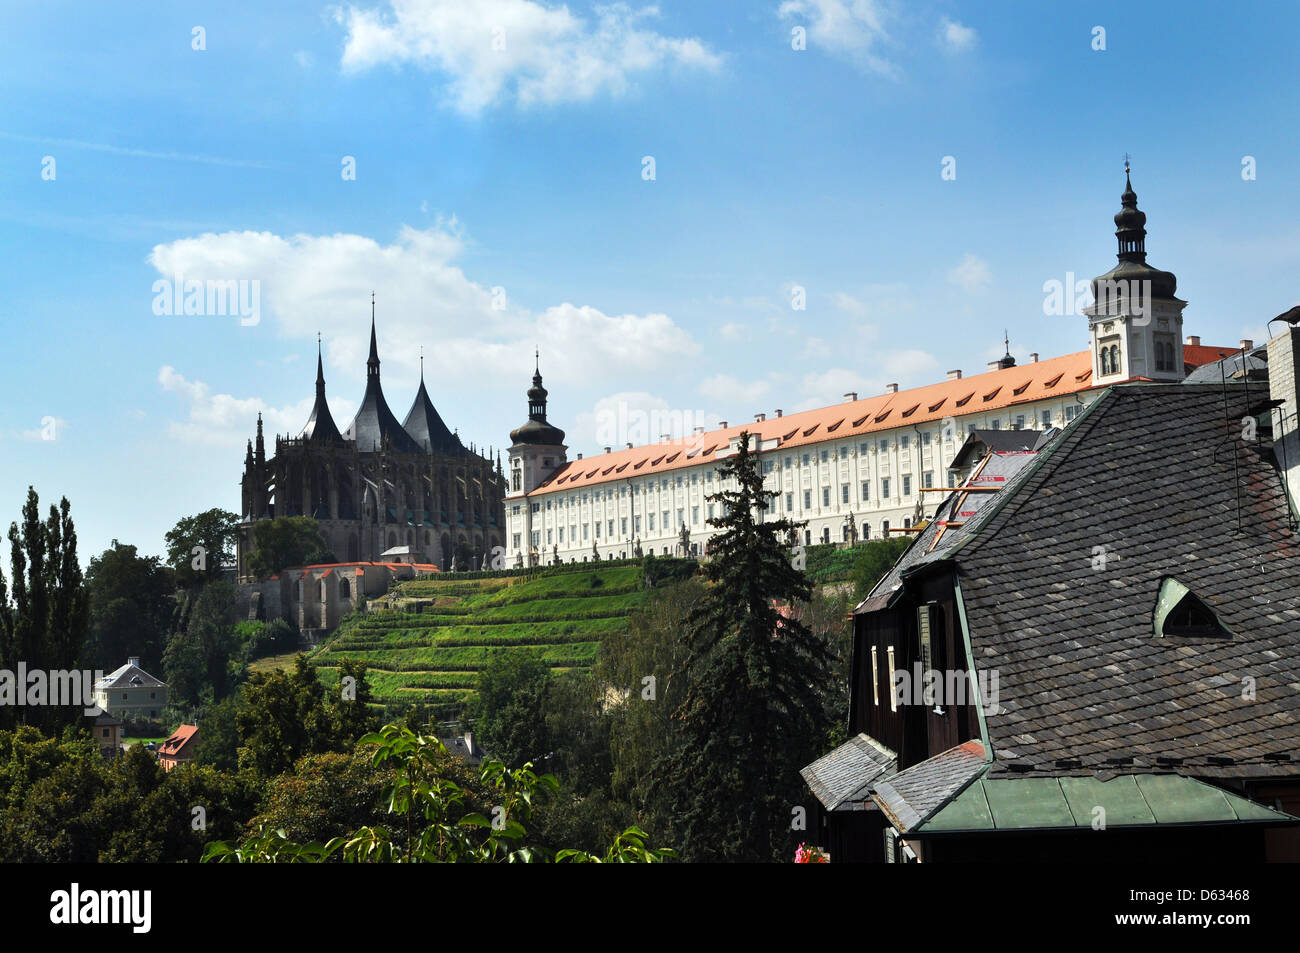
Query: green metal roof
1146,800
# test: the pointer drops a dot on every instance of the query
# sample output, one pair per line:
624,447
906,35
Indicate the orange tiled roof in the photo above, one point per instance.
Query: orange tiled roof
988,391
1201,354
992,390
179,740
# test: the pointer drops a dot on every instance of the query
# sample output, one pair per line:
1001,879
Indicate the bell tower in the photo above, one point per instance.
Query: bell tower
1135,322
536,451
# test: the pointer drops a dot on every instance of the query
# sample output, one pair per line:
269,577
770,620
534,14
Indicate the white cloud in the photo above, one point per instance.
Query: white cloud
971,274
494,50
955,37
731,392
223,420
848,29
313,283
635,417
732,331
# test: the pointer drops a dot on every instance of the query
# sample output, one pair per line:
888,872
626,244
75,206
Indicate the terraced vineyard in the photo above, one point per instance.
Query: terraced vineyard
444,630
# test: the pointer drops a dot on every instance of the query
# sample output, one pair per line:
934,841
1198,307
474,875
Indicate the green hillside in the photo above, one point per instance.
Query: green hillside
445,629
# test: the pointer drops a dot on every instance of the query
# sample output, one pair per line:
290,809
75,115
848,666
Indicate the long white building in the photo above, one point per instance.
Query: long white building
866,457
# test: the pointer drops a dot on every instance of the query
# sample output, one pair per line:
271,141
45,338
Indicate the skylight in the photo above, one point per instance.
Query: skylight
1180,613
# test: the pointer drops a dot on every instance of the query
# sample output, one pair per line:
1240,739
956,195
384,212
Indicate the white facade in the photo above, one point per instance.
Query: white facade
876,476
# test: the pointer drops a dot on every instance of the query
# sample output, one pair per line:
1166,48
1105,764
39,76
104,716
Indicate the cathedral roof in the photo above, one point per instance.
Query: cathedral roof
320,425
374,421
425,425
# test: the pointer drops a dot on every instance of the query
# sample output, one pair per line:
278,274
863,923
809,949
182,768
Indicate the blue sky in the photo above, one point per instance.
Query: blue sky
500,145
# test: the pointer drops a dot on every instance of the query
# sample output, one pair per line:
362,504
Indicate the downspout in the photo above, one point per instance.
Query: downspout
970,673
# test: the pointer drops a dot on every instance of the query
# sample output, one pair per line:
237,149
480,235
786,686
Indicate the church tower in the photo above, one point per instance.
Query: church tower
1135,322
536,451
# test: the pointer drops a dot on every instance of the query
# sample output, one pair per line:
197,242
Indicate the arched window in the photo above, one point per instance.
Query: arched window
345,589
1105,362
1114,358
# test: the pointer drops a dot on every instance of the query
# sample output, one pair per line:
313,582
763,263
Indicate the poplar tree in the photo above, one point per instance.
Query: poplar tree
752,715
43,620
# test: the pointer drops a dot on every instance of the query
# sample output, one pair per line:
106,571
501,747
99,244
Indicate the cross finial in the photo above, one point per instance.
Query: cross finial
1126,161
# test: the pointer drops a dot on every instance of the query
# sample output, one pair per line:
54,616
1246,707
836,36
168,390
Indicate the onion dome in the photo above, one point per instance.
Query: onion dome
1131,233
535,430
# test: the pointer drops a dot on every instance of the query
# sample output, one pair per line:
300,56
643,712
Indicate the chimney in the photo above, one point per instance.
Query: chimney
629,445
954,375
133,660
1033,358
1283,357
850,397
699,430
778,411
722,425
891,388
995,365
579,456
1247,344
1194,340
665,437
759,418
607,449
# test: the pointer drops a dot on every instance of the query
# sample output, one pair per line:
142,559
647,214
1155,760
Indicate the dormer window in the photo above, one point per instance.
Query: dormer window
1180,613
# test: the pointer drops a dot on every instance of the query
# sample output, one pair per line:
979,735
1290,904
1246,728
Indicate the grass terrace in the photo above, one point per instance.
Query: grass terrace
443,630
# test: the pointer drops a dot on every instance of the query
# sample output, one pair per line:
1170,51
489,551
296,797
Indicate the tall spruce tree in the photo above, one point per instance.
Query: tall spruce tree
752,715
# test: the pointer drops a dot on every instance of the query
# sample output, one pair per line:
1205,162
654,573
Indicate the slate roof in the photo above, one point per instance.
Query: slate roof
1158,476
934,542
426,426
128,676
844,778
1256,363
374,420
980,442
911,796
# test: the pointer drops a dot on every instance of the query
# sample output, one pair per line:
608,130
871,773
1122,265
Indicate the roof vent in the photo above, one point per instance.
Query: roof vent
850,397
954,375
891,388
1194,340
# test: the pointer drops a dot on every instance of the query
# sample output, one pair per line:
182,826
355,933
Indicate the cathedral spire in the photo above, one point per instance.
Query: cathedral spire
261,445
320,425
372,362
320,370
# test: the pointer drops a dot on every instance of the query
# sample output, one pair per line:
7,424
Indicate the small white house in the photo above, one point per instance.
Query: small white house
131,693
